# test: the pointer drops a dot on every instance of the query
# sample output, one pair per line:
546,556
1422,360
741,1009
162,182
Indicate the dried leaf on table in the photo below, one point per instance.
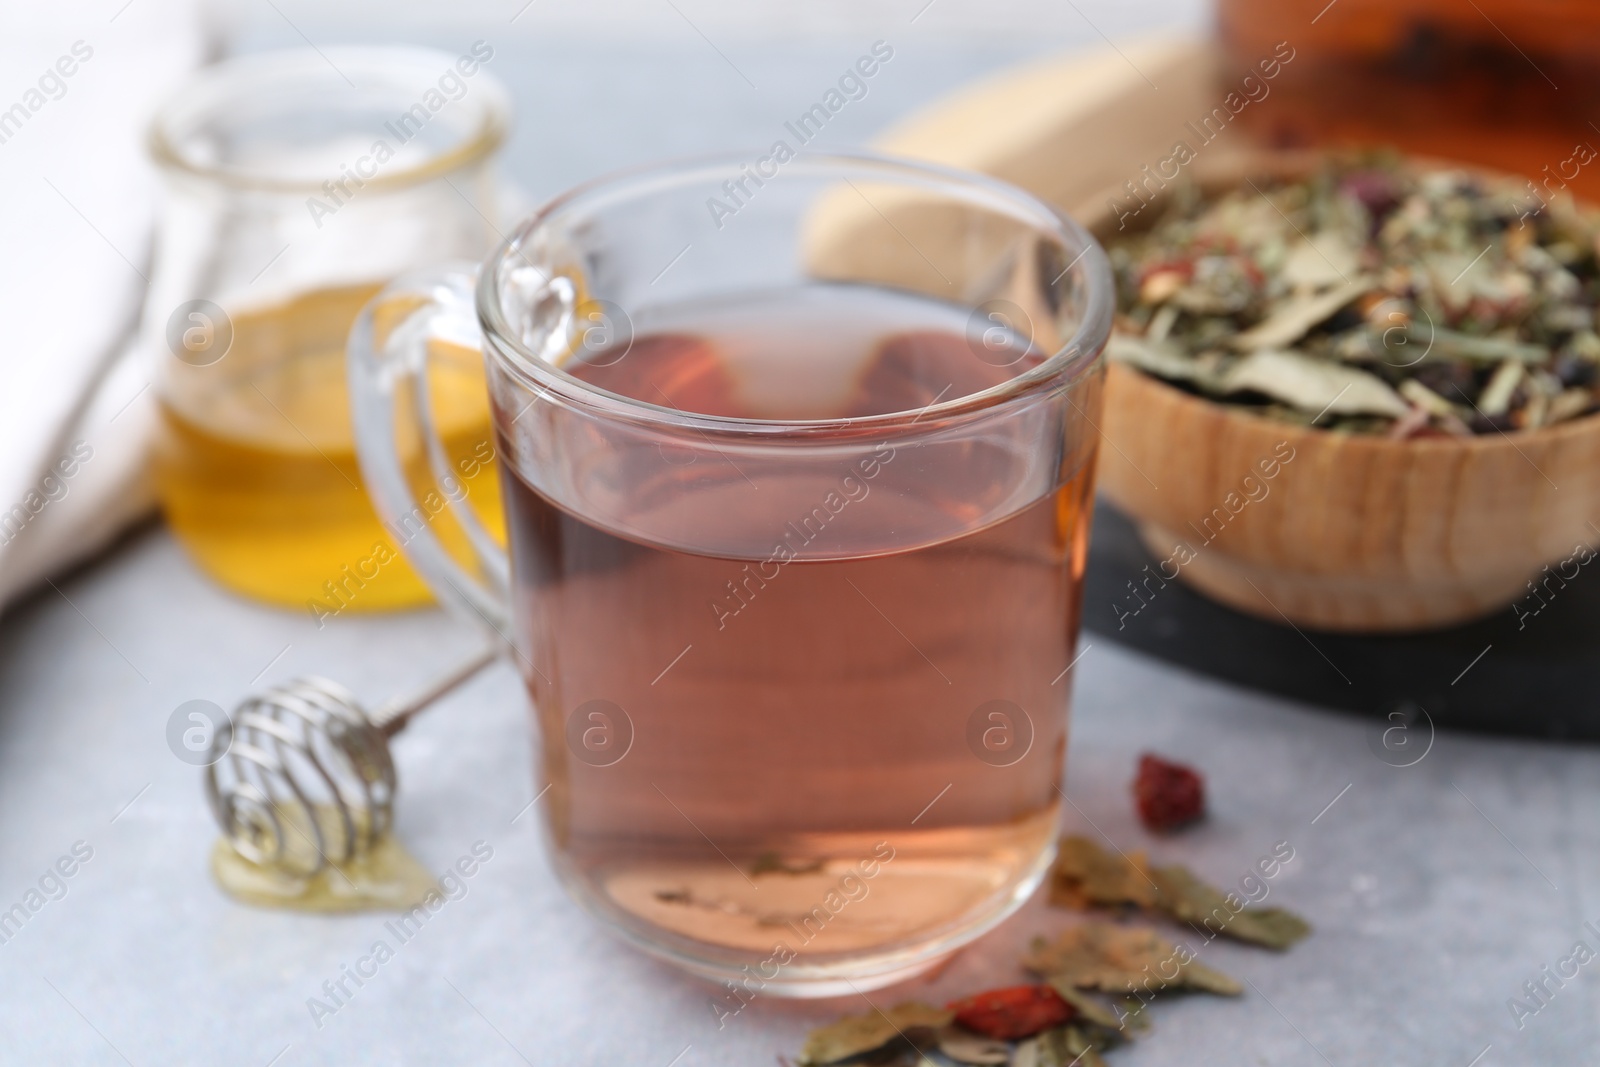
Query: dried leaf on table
1095,1016
963,1046
1081,1047
1066,1047
1189,900
856,1034
1134,1015
1314,385
1086,875
1119,959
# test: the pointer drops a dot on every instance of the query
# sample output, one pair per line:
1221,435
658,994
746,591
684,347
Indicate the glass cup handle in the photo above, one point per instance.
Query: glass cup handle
388,356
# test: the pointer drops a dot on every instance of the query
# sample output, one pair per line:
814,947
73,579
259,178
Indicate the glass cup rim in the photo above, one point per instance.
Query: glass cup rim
1077,353
259,71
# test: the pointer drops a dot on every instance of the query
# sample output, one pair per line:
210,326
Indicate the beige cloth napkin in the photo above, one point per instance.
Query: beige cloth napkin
82,79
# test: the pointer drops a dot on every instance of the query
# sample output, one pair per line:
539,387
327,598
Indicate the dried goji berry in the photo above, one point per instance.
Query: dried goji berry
1012,1013
1168,794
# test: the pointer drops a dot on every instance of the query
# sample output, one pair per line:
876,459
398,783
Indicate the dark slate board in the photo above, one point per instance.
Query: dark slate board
1540,678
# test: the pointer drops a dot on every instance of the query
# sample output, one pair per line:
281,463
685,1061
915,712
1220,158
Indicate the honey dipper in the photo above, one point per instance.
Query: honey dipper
300,777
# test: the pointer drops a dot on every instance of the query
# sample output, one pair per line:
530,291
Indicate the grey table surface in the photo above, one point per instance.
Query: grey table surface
1437,889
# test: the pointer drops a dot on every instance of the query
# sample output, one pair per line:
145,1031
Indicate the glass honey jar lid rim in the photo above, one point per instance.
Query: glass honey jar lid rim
296,121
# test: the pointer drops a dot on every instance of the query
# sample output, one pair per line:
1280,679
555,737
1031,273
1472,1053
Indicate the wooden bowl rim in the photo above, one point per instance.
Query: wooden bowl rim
1225,174
1545,435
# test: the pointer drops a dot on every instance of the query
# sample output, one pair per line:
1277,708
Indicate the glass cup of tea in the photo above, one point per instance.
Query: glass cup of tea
298,184
797,462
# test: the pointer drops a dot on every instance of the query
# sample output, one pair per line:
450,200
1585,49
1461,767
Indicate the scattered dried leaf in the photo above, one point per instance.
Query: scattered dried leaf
1066,1047
1120,959
966,1047
1189,900
857,1034
1091,1014
1086,875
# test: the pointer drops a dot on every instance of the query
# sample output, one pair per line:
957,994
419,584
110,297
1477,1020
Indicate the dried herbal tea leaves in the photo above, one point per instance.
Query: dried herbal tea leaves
1165,360
1314,385
1091,1015
1066,1047
1055,1023
1371,296
1086,875
1122,959
1291,319
1012,1013
858,1034
963,1046
1189,900
1167,794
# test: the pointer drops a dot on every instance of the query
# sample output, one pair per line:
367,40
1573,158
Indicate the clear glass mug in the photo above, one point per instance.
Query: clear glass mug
798,484
297,184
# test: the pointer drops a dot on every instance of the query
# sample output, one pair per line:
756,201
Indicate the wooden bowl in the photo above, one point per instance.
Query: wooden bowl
1351,533
1347,532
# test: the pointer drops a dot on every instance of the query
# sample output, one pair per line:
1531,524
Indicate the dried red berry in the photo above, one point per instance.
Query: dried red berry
1169,795
1012,1013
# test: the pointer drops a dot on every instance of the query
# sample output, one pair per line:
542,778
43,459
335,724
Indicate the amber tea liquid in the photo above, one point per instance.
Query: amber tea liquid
257,470
801,767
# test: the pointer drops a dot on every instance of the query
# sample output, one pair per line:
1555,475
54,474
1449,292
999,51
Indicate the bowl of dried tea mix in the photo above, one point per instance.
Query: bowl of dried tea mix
1356,393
